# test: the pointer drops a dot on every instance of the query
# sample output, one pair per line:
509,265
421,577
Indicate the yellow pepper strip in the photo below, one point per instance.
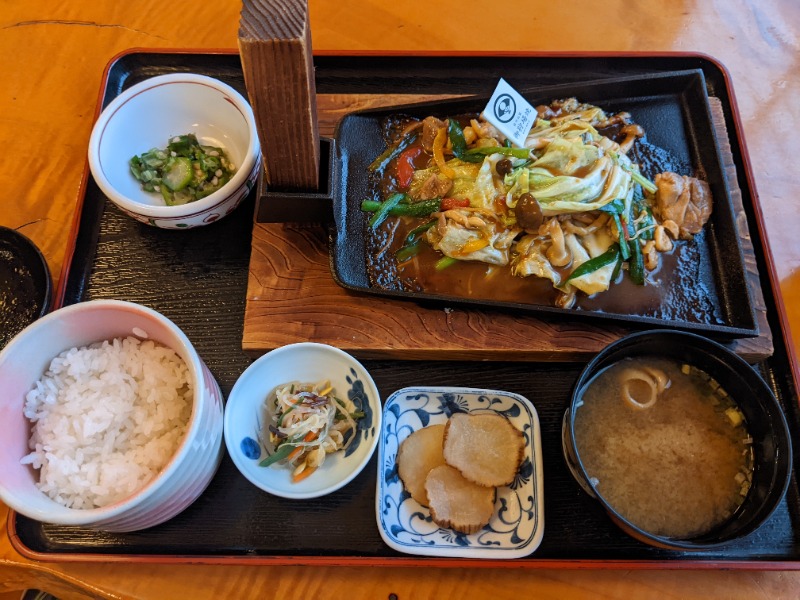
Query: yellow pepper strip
438,155
474,245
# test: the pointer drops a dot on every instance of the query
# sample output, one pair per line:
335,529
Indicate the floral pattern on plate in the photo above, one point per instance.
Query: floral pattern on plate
517,524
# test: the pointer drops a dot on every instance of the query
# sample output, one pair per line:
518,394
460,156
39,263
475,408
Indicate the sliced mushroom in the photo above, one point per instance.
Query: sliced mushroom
591,226
566,299
631,133
557,253
650,255
661,239
672,227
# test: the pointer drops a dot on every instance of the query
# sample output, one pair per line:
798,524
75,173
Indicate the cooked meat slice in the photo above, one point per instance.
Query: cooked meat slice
418,454
435,186
486,447
684,200
456,502
430,127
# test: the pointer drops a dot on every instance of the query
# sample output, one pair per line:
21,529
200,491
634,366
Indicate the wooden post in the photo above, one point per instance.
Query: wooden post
275,48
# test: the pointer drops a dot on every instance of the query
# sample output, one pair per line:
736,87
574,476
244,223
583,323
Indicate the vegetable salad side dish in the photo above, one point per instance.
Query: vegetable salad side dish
306,423
570,209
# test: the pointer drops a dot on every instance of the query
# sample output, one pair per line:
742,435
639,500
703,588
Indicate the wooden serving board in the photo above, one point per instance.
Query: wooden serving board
292,297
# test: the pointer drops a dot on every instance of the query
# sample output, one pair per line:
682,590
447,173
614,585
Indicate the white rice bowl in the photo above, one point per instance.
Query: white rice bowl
107,418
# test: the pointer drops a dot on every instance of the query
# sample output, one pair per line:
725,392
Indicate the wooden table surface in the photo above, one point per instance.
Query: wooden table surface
54,55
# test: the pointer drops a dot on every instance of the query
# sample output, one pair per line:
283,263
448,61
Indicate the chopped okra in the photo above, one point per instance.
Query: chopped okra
184,171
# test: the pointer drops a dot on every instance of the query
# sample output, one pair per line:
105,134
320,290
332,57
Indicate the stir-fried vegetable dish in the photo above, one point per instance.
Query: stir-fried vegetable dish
569,207
184,171
308,422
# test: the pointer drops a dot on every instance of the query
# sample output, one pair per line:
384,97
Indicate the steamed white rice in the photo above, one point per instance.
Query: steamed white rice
106,419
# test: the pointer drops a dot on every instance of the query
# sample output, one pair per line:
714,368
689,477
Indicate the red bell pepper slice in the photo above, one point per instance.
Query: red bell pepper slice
405,166
450,203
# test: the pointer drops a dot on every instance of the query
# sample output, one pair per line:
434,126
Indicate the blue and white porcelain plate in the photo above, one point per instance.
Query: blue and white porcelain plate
517,525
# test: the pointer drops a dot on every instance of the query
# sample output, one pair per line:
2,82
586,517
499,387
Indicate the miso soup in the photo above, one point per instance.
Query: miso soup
664,445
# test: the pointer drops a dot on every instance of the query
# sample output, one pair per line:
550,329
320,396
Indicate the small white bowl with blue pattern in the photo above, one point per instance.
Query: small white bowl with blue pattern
517,525
245,417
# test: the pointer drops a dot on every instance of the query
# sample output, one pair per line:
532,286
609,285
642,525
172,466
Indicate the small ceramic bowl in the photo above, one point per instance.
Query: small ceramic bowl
25,284
24,361
765,422
146,116
306,363
517,525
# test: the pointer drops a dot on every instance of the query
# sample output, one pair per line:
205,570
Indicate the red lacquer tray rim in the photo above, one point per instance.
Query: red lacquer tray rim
410,561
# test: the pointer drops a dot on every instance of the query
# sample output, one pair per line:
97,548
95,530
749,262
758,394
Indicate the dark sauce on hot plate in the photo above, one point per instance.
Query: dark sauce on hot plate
681,288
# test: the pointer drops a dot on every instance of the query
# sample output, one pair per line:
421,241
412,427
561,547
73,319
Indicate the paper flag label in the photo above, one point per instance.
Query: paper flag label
510,113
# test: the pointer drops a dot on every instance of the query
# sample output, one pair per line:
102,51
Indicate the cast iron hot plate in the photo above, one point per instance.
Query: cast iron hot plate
701,289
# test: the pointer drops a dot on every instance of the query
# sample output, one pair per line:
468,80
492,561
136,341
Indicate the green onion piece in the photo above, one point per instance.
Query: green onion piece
643,181
598,262
636,265
472,158
444,262
280,453
287,411
418,209
615,207
647,234
415,233
408,251
623,243
381,214
515,152
370,205
617,269
392,152
410,209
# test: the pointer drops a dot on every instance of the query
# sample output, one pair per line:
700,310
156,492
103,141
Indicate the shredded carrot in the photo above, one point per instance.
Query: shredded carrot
303,474
438,155
310,436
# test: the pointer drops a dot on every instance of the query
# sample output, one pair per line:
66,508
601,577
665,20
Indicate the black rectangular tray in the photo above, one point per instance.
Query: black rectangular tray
198,279
673,109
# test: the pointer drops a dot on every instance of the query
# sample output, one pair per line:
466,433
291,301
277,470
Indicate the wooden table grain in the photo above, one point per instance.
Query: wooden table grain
54,55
